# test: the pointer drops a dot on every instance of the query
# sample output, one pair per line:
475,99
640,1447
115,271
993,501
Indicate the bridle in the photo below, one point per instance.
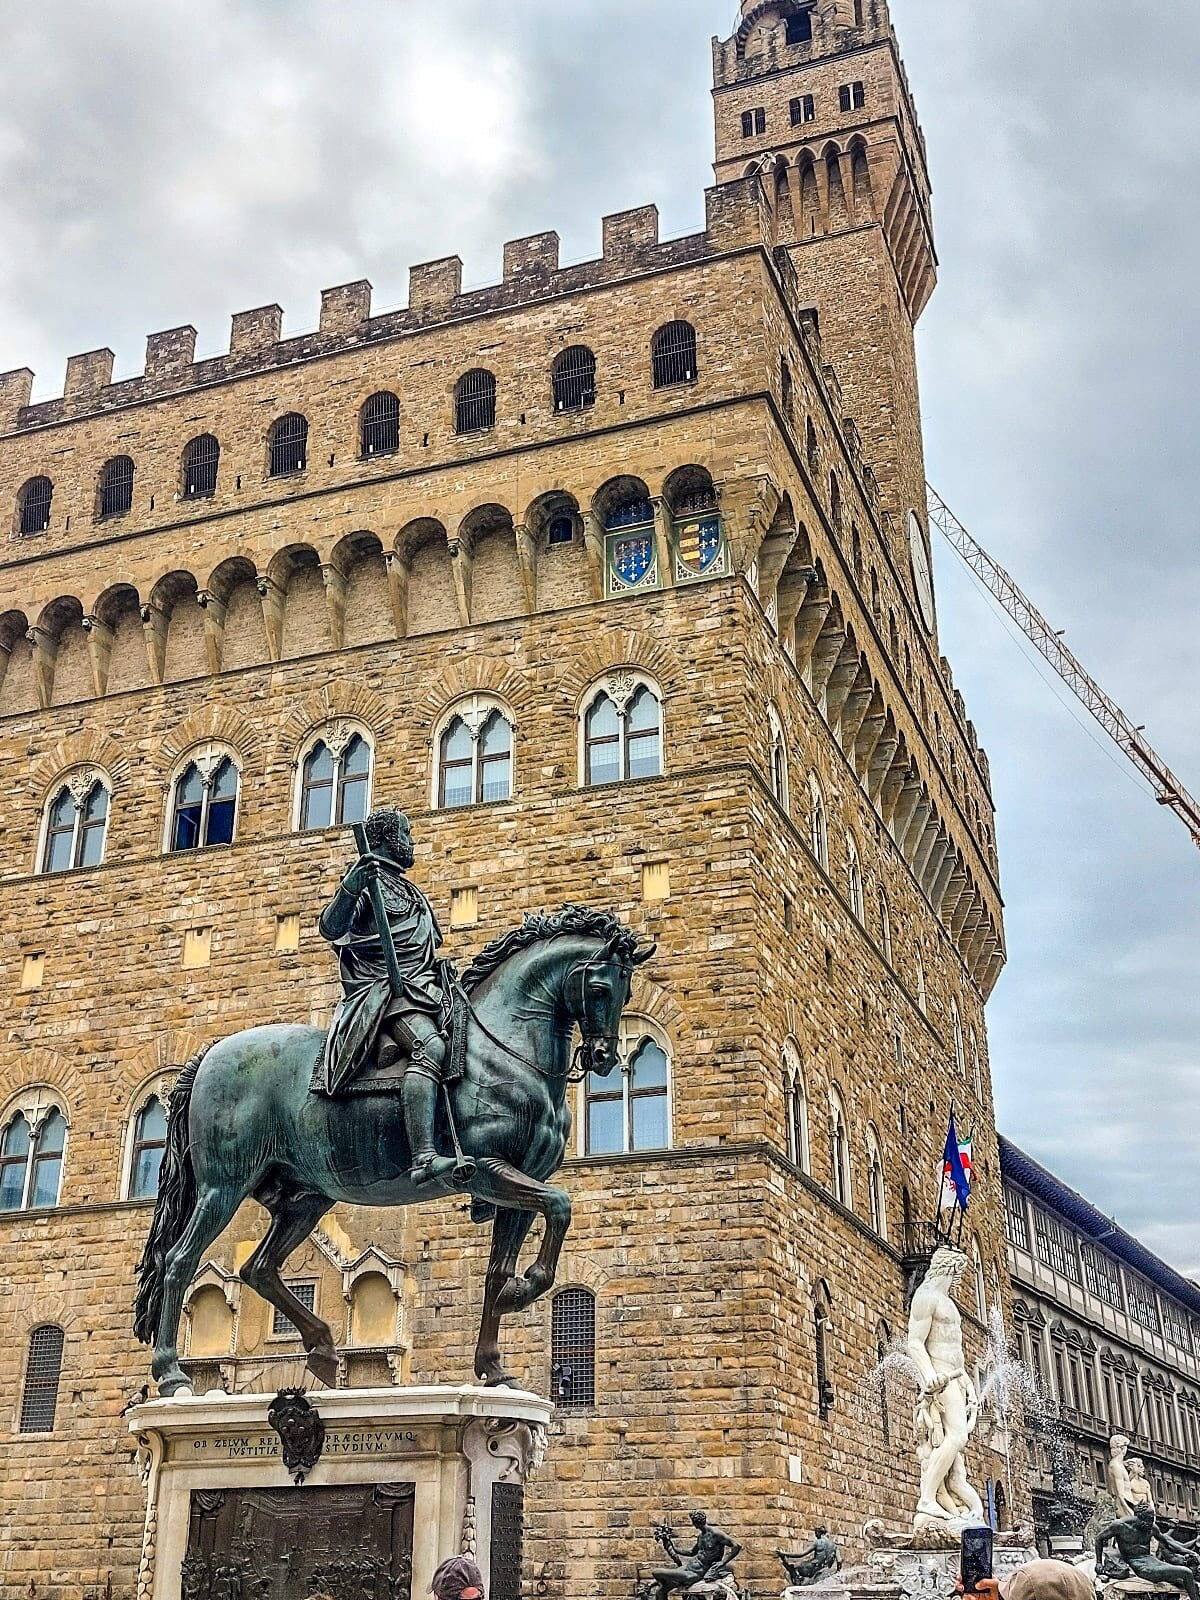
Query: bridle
583,1055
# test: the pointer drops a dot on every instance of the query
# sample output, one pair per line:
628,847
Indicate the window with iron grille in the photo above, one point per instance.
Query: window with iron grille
575,379
289,445
1140,1297
573,1349
1056,1246
852,97
200,461
1102,1277
1175,1324
34,506
116,487
43,1369
803,109
282,1326
475,402
674,355
799,28
380,425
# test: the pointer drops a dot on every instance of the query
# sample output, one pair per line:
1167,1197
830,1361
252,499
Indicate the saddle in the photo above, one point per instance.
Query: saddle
384,1072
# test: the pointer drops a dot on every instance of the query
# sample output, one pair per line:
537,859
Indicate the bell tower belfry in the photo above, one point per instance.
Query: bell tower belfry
813,94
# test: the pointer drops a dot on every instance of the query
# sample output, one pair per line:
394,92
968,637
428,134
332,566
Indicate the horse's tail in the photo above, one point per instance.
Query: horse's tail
173,1208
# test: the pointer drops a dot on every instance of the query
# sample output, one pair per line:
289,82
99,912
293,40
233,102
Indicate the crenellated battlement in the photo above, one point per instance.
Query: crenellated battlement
738,217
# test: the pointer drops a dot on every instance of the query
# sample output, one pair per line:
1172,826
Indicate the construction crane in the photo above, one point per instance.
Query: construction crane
1167,787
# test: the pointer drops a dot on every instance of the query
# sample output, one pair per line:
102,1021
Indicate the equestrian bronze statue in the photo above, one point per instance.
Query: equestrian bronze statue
426,1084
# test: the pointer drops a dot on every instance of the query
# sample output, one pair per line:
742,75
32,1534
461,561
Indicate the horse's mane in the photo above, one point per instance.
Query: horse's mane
536,928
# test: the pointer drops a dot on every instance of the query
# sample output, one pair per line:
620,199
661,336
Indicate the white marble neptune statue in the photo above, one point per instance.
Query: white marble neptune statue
948,1406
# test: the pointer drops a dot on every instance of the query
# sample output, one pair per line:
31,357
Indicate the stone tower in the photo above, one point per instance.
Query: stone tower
814,95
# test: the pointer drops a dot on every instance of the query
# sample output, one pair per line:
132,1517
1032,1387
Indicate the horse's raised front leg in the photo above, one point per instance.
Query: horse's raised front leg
508,1187
509,1231
214,1210
293,1218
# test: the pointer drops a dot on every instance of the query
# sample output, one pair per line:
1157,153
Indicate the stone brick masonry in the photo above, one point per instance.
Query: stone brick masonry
382,592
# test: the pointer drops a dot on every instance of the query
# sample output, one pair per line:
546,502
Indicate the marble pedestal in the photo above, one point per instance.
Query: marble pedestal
450,1463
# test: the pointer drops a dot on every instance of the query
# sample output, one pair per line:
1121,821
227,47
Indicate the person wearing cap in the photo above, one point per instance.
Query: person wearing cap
457,1579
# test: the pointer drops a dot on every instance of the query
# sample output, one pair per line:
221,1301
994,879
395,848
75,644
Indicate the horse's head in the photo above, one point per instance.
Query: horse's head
599,993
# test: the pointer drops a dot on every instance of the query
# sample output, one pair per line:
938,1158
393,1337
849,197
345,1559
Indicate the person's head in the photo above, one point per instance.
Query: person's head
457,1579
1144,1513
390,834
1137,1467
699,1520
820,1533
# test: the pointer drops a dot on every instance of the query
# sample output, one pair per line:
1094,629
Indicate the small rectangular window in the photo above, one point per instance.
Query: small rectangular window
287,933
33,967
760,120
197,947
803,109
464,907
282,1326
799,27
747,124
789,914
656,881
852,97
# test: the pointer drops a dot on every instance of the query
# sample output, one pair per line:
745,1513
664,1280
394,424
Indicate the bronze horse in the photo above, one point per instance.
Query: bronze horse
244,1123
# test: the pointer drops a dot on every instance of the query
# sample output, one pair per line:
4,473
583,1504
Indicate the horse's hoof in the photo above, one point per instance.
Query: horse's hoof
323,1364
171,1387
503,1380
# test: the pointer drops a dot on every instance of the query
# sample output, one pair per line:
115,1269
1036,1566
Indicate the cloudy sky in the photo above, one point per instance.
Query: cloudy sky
164,162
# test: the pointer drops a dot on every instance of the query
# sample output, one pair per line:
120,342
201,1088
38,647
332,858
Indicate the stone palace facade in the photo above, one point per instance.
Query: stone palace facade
616,576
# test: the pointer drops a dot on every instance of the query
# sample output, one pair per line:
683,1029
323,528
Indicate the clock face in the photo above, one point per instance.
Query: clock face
922,576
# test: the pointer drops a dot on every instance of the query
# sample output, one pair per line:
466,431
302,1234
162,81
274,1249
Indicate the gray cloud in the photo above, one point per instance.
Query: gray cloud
164,163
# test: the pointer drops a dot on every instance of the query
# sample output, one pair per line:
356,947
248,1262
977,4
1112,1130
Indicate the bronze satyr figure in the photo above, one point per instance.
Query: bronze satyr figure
484,1110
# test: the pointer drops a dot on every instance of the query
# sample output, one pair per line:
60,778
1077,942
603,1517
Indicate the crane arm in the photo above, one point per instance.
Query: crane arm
1167,787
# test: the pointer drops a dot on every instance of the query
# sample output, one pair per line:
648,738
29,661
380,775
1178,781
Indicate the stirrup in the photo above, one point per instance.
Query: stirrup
430,1167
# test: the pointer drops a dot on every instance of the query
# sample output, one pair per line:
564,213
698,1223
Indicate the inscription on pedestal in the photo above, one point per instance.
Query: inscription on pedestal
338,1442
508,1538
352,1543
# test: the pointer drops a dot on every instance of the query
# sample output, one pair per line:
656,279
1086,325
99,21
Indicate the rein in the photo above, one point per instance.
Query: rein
581,1056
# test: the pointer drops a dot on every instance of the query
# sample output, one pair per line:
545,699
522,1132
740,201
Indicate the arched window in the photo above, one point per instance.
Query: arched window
885,926
574,379
31,1162
980,1278
573,1349
977,1061
43,1370
146,1154
201,459
876,1186
116,487
379,425
475,402
622,734
779,765
475,756
673,354
960,1054
854,879
76,822
204,802
335,782
797,1107
821,1323
839,1150
33,506
630,1109
289,445
818,827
